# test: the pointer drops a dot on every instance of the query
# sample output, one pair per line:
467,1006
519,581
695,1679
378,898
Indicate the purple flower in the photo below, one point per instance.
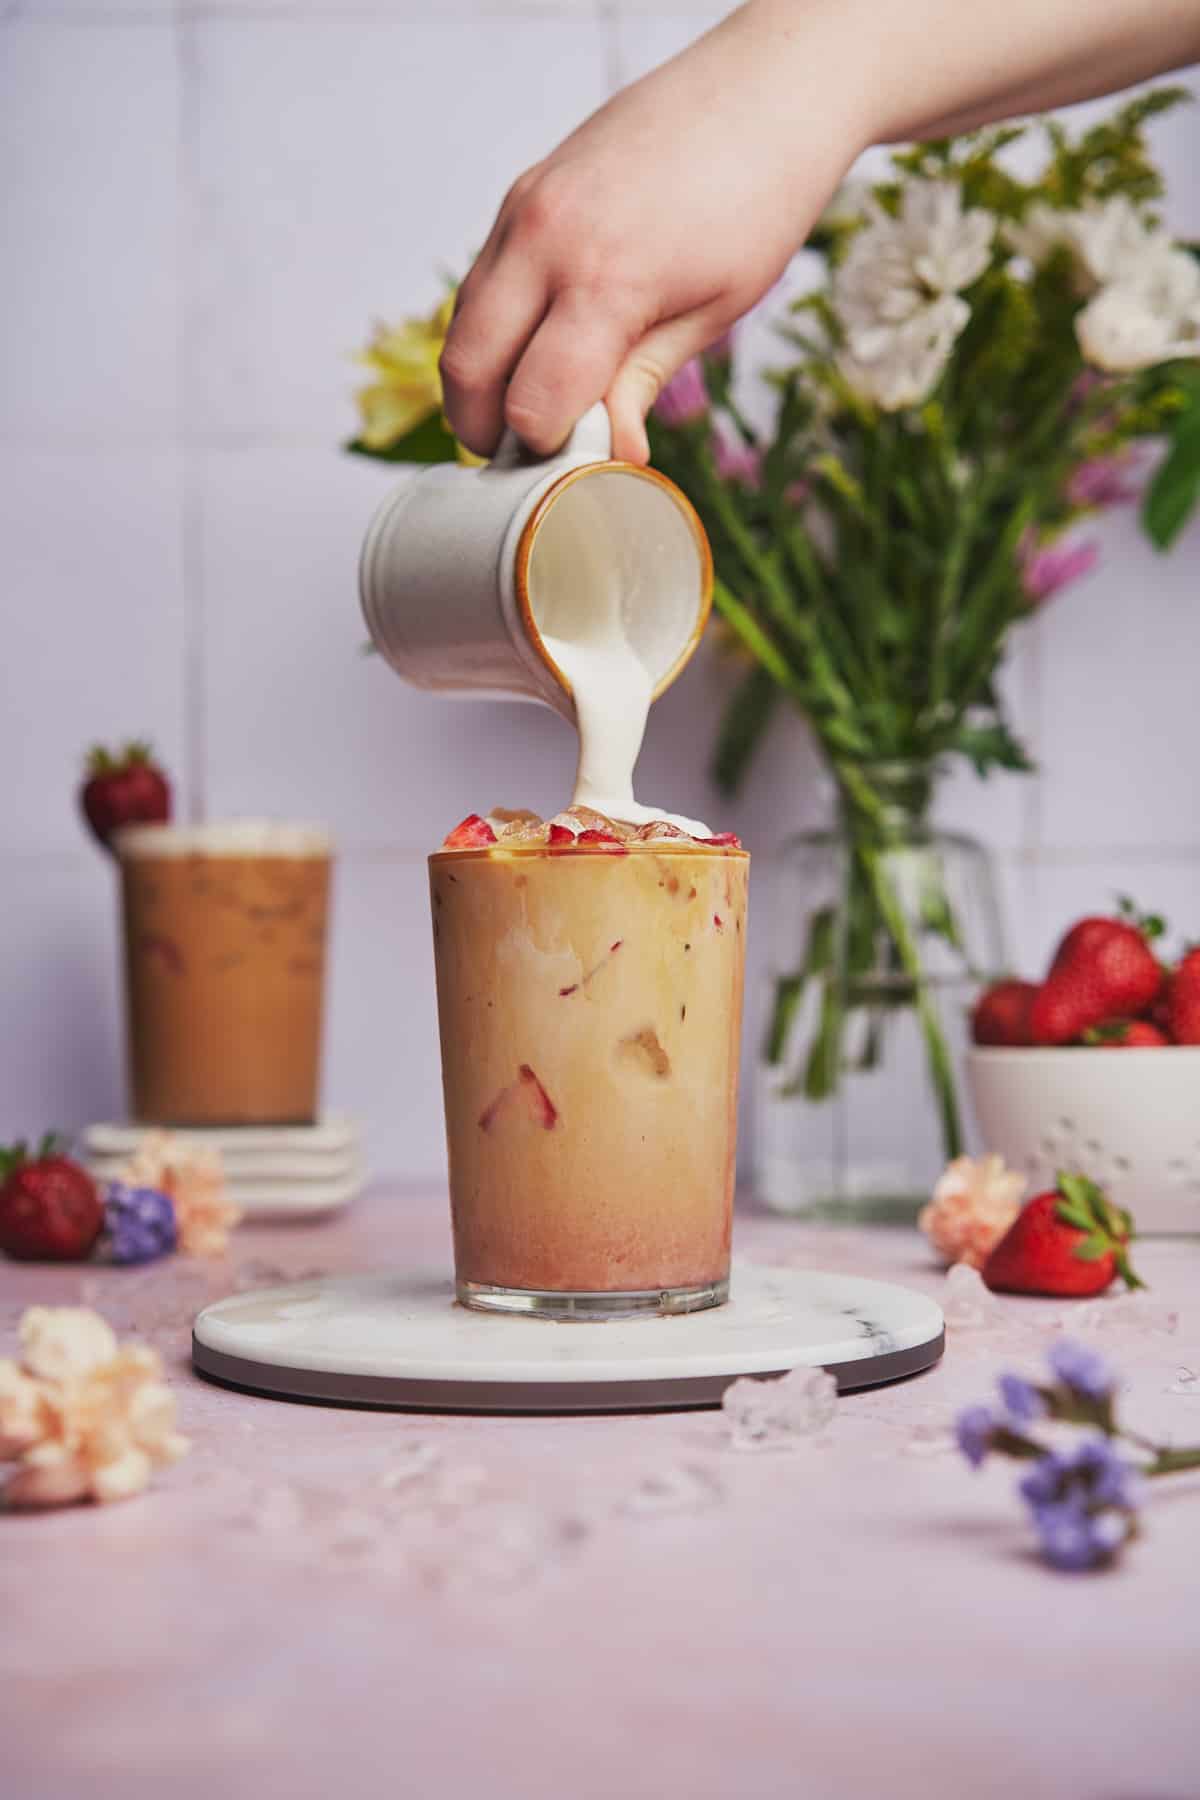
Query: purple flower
1103,481
1048,568
736,461
1082,1370
1084,1503
139,1223
685,397
974,1430
1073,1539
1021,1398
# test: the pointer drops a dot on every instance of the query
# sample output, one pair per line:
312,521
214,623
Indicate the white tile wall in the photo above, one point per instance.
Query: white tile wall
206,202
330,170
89,303
62,1062
93,645
382,1062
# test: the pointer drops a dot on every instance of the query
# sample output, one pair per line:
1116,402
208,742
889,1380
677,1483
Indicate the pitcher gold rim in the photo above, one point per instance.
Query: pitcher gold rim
537,518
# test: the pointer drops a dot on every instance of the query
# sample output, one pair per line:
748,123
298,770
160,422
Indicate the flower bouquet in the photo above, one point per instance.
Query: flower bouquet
976,372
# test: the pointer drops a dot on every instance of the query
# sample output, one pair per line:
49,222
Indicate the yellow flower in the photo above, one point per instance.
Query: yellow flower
409,386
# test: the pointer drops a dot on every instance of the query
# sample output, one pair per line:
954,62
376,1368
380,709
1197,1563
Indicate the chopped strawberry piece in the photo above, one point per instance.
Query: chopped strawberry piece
658,828
545,1110
561,834
472,834
726,840
604,841
718,921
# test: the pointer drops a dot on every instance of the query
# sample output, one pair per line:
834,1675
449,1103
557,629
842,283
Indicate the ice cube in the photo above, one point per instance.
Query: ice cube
675,1488
656,829
778,1412
930,1440
410,1464
521,828
967,1302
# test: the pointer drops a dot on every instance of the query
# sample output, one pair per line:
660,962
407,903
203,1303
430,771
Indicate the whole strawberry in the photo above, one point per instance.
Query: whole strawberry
125,788
1001,1014
1103,969
1183,1001
50,1210
1070,1240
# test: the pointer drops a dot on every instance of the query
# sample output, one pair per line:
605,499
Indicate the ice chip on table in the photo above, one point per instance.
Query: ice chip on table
675,1488
968,1303
780,1412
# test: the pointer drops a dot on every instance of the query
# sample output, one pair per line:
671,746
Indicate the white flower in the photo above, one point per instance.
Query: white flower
931,248
896,293
900,365
1114,241
1147,318
1110,240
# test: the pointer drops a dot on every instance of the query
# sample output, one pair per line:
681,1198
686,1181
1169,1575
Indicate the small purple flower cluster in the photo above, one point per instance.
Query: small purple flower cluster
139,1223
1084,1503
1083,1500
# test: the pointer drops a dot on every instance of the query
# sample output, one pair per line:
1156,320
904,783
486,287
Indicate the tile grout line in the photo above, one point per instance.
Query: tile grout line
191,504
608,17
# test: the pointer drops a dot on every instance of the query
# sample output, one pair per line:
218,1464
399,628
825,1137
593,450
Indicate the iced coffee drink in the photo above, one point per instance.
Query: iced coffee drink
589,994
224,966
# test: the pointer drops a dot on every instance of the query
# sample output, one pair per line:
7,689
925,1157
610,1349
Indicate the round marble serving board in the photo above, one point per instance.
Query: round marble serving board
401,1341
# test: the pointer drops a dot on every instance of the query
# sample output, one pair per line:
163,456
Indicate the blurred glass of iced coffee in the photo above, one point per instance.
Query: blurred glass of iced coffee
225,932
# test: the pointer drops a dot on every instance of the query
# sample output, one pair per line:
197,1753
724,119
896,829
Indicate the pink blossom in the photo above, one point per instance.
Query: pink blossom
1048,568
797,493
721,348
1103,481
736,461
685,397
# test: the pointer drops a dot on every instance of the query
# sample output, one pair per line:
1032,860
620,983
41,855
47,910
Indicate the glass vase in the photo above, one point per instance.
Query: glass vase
883,929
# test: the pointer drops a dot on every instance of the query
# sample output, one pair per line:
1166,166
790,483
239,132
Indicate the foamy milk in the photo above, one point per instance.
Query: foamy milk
583,629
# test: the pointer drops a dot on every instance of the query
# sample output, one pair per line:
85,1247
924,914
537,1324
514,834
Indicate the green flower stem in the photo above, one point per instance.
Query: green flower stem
1174,1462
940,1067
867,802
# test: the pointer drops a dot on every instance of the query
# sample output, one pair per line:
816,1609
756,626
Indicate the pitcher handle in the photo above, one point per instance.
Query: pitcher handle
591,438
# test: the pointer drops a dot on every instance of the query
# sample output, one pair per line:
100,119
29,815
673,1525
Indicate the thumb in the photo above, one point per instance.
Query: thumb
646,370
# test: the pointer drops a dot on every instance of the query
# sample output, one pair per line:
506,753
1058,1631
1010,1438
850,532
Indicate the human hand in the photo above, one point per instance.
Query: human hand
637,242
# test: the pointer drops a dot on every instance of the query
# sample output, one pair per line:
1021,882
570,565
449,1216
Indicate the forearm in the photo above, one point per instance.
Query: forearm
928,68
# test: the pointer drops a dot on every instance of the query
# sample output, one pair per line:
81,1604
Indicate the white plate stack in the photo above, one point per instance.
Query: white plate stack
273,1171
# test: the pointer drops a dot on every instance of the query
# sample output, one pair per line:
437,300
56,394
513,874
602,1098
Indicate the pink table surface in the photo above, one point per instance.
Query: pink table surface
292,1611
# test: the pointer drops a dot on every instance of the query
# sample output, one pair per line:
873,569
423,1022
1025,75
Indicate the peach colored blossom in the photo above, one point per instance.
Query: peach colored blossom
81,1416
194,1178
973,1205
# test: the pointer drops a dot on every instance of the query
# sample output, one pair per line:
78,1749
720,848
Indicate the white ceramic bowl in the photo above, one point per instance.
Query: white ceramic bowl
1128,1118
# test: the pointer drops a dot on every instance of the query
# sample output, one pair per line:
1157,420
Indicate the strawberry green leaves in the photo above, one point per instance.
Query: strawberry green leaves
1109,1228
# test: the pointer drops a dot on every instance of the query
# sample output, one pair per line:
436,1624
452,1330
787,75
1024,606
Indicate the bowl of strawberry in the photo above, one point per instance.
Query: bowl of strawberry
1048,1090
